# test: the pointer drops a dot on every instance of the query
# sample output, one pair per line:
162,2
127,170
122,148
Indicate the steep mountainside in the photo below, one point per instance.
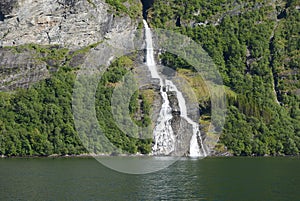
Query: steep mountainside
254,44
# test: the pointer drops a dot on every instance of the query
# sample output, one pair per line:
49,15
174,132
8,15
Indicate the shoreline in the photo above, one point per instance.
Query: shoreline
53,156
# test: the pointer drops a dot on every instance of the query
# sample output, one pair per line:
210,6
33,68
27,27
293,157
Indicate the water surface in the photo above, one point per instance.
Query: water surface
207,179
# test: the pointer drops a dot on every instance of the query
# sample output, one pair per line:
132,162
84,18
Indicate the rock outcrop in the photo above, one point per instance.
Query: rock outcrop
71,24
19,70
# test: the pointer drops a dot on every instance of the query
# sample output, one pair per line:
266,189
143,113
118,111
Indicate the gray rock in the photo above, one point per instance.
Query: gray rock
68,23
20,70
6,6
174,103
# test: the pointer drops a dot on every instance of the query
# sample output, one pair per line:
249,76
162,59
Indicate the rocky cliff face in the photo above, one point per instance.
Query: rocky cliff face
19,70
71,24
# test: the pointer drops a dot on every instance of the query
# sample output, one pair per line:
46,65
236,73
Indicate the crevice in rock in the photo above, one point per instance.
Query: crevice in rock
272,55
146,5
48,36
1,16
178,23
281,15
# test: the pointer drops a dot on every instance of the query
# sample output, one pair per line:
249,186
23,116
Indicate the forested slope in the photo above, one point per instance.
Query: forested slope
255,45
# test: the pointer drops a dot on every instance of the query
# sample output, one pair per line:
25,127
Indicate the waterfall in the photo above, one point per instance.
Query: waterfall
163,133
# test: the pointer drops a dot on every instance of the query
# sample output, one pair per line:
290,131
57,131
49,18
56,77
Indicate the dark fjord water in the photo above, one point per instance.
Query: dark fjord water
207,179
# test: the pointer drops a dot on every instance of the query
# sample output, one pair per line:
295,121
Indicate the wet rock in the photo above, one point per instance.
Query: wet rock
174,103
184,134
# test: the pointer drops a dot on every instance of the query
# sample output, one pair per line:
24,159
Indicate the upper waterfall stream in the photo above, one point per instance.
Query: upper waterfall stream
163,133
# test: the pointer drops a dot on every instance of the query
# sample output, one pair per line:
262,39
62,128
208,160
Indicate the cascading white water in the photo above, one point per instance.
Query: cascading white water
195,150
163,132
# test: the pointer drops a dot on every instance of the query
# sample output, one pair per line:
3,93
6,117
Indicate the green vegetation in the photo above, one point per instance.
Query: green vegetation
139,112
92,3
131,7
54,55
39,121
255,44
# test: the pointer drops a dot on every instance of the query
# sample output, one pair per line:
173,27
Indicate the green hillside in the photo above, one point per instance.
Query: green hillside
254,44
